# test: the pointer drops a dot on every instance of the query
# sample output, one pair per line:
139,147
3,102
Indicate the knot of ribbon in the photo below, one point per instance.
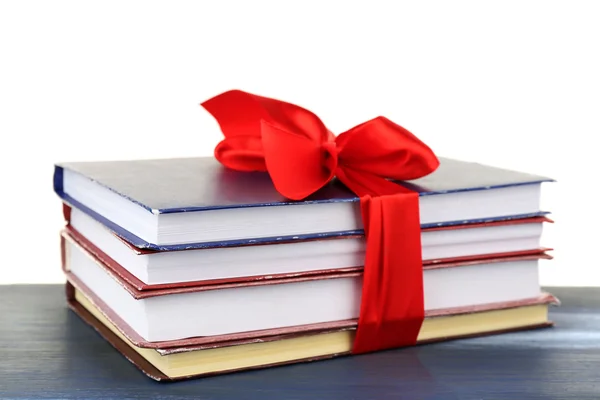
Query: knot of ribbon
301,156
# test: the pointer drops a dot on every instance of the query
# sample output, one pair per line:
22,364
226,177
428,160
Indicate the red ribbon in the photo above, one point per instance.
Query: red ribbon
301,156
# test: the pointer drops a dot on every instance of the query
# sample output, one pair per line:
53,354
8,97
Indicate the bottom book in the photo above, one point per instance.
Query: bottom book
170,363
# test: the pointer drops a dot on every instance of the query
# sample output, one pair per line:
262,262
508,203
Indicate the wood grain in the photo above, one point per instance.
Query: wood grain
48,353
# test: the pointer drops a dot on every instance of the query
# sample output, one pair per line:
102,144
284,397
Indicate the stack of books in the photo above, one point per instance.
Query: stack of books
191,269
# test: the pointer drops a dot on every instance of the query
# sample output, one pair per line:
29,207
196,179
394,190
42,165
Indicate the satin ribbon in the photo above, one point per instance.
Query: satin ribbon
301,156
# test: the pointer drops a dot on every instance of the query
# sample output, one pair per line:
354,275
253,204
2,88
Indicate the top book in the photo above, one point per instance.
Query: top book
172,204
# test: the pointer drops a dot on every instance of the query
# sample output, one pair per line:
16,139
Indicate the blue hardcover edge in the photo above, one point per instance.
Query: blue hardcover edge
118,230
317,201
142,244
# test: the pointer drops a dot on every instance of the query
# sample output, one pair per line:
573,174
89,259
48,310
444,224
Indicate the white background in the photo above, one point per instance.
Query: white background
509,83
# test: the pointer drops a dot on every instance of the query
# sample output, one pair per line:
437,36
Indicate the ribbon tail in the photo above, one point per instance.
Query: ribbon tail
392,304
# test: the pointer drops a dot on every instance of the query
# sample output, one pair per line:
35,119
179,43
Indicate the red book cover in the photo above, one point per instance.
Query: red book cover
198,341
73,235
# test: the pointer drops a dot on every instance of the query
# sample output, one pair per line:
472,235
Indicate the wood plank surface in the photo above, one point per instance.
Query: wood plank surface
48,353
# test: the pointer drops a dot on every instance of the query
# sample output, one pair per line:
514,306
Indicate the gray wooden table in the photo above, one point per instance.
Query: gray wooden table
47,352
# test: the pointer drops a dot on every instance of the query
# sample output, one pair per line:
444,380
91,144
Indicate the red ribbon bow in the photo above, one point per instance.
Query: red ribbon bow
301,156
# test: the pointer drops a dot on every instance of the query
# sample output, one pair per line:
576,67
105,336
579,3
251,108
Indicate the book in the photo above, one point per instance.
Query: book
171,204
163,315
149,269
218,355
191,269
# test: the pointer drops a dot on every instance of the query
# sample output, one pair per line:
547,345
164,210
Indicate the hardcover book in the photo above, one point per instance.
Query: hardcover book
149,269
184,359
171,204
162,315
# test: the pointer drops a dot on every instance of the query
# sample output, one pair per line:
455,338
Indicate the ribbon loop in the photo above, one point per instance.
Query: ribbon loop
297,167
301,156
383,148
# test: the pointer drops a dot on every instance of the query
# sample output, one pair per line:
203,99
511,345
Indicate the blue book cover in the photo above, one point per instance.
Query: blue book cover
164,186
